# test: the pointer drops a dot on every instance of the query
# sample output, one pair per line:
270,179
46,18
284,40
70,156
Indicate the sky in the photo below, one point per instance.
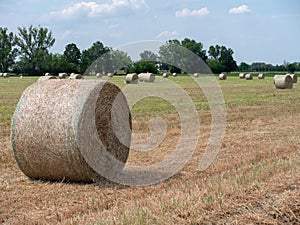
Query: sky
257,30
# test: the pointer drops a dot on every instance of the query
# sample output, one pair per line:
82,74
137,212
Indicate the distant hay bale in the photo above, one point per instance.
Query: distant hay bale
261,76
174,74
99,75
249,76
196,74
5,75
283,81
47,74
146,77
62,75
45,78
1,74
132,78
62,136
165,75
75,76
241,75
294,77
222,76
110,74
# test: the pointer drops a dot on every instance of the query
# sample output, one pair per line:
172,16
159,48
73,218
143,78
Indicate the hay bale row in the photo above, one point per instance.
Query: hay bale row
132,78
249,76
261,76
62,75
146,77
222,76
71,135
283,81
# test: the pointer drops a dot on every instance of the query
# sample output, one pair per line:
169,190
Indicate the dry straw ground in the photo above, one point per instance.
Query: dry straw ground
255,178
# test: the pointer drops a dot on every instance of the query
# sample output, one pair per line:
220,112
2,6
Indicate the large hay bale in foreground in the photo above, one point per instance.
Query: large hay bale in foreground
132,78
283,81
62,136
249,76
146,77
44,78
75,76
222,76
241,75
261,76
62,75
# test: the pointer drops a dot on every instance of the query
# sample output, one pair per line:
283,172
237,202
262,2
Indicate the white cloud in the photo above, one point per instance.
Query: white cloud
167,34
187,12
93,9
240,10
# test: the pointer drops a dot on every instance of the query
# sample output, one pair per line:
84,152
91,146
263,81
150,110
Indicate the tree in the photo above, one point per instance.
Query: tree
143,67
148,56
244,67
91,54
72,55
224,56
34,44
216,66
8,52
291,67
196,47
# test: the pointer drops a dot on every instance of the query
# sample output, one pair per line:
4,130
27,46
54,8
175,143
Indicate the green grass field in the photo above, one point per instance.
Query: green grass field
254,179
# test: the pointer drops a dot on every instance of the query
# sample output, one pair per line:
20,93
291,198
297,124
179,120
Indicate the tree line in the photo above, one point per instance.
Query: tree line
28,52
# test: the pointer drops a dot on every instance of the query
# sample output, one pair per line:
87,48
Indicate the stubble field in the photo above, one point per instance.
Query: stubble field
255,179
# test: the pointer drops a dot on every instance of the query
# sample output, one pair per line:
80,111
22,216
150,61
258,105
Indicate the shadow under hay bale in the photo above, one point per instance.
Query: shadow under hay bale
283,81
132,78
146,77
67,136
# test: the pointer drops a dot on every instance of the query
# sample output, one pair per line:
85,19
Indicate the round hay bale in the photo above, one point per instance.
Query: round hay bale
283,81
241,75
146,77
196,74
110,74
5,75
222,76
63,136
99,75
47,74
294,77
1,74
132,78
62,75
249,76
165,75
261,76
174,74
75,76
45,78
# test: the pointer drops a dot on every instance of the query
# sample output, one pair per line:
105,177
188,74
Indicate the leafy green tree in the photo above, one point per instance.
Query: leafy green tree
244,67
216,66
72,55
8,52
224,56
92,54
34,44
291,67
143,67
195,47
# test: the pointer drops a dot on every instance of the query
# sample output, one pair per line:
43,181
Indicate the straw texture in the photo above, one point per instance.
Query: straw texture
48,133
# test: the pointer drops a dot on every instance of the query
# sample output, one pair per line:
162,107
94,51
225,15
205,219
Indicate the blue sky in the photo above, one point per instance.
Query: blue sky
257,30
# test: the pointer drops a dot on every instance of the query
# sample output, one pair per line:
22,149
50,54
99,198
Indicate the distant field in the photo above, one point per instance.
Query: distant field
255,178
